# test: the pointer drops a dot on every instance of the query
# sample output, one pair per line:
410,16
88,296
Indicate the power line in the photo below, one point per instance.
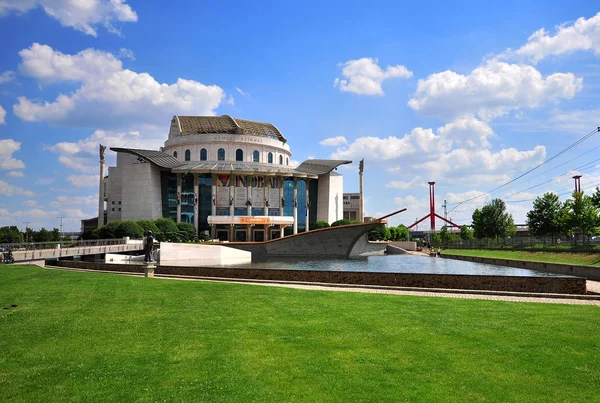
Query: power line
564,150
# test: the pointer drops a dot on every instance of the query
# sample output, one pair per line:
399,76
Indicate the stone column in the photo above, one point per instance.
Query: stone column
196,202
213,205
231,193
249,195
266,191
178,198
101,188
281,180
306,228
295,201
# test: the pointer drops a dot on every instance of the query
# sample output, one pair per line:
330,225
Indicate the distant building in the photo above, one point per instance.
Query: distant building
229,177
352,206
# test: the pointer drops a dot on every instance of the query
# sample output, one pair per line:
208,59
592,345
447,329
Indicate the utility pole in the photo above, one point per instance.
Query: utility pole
445,214
61,226
26,228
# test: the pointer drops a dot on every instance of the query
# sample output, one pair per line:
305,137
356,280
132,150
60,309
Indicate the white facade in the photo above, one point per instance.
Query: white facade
242,186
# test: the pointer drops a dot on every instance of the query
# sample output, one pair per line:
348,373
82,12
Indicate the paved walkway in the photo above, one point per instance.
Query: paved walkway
593,286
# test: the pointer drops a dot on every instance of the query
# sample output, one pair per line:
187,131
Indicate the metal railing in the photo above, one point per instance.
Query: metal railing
16,247
537,243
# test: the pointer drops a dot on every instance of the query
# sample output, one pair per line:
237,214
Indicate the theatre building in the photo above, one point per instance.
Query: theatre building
231,178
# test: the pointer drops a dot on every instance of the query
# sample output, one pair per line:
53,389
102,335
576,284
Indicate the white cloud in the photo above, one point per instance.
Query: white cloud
76,201
35,213
583,35
490,91
334,141
109,95
2,115
83,16
125,53
82,181
16,174
241,92
29,203
364,76
417,182
83,165
467,132
7,148
9,190
8,77
44,181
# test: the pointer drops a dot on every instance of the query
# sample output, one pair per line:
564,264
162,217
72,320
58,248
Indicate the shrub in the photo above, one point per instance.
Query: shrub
187,232
129,228
148,225
320,224
167,230
340,222
106,231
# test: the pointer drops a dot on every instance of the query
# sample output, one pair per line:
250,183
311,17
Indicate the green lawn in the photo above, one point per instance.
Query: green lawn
101,337
583,259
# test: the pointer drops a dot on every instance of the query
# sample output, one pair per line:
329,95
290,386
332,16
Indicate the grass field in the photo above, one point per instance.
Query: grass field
583,259
102,337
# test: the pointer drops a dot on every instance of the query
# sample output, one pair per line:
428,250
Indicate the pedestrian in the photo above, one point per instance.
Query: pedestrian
148,245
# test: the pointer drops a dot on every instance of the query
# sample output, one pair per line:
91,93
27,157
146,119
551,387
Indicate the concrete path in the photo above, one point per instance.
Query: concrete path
593,286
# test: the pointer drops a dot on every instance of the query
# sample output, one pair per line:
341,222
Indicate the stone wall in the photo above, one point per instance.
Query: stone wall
556,285
589,272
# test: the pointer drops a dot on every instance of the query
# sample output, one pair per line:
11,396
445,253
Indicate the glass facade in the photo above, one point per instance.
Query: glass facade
204,201
187,198
301,185
168,187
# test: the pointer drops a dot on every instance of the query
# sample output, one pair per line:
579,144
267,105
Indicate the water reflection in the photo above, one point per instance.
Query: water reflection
389,264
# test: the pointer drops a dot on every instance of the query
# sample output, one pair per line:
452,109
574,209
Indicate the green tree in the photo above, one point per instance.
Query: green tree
581,214
545,217
466,233
167,230
43,235
379,233
344,222
320,224
106,231
187,231
493,222
445,235
148,225
129,228
56,235
596,198
11,235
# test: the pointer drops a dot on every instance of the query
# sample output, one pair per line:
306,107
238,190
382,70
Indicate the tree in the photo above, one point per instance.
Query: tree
187,231
402,232
129,228
445,235
106,231
466,233
56,235
492,221
320,224
11,235
148,225
545,217
379,233
580,214
596,198
167,229
43,235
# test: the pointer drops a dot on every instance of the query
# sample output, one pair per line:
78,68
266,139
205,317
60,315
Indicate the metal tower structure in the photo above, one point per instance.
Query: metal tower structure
432,213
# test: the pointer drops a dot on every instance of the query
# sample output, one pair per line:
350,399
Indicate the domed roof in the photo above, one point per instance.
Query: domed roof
225,125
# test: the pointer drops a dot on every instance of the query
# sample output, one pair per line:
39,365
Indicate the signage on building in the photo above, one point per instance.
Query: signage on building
255,220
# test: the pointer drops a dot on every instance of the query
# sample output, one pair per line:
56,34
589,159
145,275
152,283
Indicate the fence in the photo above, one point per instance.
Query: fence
63,244
556,244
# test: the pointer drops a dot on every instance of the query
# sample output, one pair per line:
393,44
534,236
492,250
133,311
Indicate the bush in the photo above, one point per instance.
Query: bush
167,230
148,225
129,228
187,232
320,224
106,231
340,222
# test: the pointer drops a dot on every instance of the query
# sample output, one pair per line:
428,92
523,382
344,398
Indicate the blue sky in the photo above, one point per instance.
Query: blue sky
469,95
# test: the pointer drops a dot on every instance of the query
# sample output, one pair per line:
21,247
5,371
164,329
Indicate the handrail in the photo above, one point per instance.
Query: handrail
64,244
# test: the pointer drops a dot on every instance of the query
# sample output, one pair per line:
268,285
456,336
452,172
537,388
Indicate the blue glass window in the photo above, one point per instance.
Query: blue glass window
256,156
270,158
203,155
239,154
188,155
221,154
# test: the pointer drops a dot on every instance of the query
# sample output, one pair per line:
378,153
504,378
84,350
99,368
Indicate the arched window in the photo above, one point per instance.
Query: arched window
203,155
256,156
175,154
270,158
221,154
287,161
281,160
188,155
239,154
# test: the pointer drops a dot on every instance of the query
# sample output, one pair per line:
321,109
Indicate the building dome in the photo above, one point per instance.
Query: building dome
190,125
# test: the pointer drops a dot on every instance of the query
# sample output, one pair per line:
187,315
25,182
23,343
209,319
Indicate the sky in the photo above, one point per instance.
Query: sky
470,95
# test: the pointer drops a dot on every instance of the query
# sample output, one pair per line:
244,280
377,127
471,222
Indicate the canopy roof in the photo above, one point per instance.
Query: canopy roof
226,125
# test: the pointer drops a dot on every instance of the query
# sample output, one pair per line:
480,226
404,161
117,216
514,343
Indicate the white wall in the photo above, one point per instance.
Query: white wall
140,189
330,200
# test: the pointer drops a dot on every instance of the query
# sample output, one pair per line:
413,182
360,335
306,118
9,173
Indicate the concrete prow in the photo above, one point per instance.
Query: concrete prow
395,250
332,242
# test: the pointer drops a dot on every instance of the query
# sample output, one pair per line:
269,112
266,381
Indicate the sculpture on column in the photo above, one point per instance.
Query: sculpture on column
102,149
148,245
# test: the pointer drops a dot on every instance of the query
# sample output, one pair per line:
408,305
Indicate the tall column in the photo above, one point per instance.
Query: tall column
267,190
196,185
231,193
307,226
101,188
295,206
213,205
361,211
281,181
178,198
249,196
